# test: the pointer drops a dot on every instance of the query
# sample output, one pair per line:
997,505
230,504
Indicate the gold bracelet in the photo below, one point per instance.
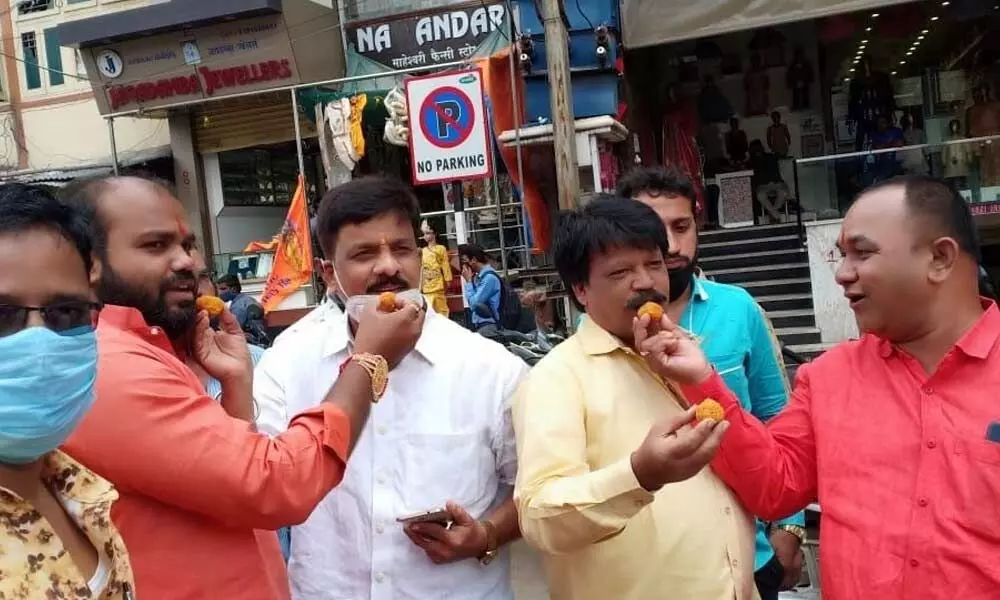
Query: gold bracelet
378,371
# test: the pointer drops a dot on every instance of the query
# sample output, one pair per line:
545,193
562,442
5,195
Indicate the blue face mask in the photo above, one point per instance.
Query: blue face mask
46,387
228,296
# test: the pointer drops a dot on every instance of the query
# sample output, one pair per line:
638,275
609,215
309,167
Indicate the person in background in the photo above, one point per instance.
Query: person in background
914,161
612,486
201,491
897,434
736,142
56,535
248,312
482,287
770,190
435,270
441,438
737,339
779,139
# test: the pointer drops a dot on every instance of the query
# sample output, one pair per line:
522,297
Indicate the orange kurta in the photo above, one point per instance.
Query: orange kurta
200,492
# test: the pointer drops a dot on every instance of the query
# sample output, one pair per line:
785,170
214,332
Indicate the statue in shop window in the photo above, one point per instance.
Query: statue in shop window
756,87
983,119
956,157
799,78
713,106
871,96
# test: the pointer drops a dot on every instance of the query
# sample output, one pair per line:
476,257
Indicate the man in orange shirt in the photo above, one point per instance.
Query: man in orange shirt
197,484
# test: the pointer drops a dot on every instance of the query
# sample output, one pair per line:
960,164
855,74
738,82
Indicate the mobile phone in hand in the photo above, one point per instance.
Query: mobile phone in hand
439,516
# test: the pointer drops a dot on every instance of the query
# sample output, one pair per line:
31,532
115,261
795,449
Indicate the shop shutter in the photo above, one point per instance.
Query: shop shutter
246,122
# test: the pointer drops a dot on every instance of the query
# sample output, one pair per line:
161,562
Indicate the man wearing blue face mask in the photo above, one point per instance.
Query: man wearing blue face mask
57,538
247,311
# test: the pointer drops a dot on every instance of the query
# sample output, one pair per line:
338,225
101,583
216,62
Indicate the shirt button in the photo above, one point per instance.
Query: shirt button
922,502
380,479
931,444
379,528
728,510
381,430
154,331
379,577
914,562
928,390
736,564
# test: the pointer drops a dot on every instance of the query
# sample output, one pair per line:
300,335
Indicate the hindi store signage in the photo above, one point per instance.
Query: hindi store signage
428,38
211,61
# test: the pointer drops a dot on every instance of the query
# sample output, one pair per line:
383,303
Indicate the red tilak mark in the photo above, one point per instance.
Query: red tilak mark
184,230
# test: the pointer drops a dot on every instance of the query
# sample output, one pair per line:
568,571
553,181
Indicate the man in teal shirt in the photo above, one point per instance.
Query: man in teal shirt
736,337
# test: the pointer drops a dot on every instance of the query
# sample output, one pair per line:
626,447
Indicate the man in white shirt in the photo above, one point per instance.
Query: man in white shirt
441,437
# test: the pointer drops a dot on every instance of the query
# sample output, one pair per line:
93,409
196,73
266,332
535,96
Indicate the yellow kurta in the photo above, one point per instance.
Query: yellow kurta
578,417
436,273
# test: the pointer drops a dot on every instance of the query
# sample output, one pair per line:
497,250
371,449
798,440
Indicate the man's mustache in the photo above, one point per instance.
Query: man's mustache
645,296
678,257
386,282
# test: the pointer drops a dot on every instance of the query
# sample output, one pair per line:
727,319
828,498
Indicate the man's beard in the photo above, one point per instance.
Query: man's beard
114,289
682,277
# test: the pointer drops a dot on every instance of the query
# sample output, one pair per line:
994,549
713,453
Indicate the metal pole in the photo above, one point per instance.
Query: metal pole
298,134
114,146
561,103
515,98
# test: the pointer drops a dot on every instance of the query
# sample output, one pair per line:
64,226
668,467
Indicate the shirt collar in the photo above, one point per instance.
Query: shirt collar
595,340
429,345
70,479
130,320
698,290
977,342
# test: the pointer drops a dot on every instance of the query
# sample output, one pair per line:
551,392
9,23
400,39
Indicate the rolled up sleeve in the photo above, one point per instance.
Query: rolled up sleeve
563,504
154,432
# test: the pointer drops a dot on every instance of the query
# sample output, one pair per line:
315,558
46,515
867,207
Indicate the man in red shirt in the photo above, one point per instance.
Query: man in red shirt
198,487
895,433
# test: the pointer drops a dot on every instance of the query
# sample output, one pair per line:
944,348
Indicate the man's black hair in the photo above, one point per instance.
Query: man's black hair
361,200
86,195
657,181
27,207
606,223
473,251
231,281
941,205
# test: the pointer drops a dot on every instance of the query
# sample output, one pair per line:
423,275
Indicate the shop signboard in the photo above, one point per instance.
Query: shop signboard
449,139
213,61
427,38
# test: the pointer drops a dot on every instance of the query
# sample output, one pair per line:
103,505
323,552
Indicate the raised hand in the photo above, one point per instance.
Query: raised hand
670,351
390,335
223,354
674,450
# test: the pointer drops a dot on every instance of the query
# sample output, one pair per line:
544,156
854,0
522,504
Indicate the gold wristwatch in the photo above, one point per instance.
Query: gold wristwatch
796,530
377,369
491,543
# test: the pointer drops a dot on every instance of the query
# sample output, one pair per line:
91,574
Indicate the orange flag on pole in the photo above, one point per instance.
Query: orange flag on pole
293,262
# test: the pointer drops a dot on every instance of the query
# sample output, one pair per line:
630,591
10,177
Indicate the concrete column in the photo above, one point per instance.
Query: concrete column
190,180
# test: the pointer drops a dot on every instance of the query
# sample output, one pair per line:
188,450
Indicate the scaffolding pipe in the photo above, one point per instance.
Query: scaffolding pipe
114,145
298,134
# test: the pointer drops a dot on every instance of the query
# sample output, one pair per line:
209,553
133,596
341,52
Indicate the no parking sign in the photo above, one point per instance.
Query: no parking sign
449,139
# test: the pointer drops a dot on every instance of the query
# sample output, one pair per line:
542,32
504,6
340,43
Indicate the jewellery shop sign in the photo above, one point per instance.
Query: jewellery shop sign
213,61
428,38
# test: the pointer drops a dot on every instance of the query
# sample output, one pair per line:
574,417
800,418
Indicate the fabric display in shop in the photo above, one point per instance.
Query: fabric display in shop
343,116
497,83
983,120
397,126
680,148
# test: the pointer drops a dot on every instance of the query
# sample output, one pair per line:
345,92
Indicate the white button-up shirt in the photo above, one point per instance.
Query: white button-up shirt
441,432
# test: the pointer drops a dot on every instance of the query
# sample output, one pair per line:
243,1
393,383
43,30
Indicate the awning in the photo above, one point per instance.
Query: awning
62,176
653,22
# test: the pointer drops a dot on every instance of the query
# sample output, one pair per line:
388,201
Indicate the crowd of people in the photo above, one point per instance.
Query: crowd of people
150,451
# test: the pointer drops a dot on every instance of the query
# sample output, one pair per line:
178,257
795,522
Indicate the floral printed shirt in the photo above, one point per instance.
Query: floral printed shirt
34,563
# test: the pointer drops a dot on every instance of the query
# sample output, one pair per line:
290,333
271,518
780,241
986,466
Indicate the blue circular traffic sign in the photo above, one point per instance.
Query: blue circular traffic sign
447,117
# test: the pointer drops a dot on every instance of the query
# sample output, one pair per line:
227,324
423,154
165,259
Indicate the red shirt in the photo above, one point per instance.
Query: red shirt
899,460
198,488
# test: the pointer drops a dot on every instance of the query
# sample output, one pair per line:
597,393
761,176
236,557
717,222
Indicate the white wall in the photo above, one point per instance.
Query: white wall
74,133
233,227
834,317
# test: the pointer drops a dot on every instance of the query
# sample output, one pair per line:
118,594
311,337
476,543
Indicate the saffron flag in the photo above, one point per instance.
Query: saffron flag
293,261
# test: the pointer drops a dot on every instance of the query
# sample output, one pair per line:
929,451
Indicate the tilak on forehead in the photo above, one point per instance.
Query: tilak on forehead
184,231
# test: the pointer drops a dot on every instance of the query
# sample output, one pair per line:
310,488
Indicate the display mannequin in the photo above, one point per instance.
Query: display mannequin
956,157
799,78
712,103
871,97
757,87
983,119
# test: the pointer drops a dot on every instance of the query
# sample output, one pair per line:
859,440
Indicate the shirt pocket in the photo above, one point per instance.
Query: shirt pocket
438,467
732,370
976,485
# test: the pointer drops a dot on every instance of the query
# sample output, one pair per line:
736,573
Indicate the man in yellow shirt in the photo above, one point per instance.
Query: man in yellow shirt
436,270
612,485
